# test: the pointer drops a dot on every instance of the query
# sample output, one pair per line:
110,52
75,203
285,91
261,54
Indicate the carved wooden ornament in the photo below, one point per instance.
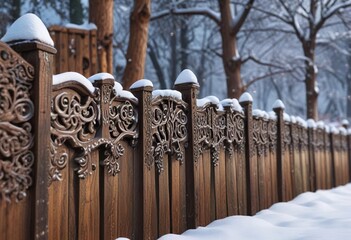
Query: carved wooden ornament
16,139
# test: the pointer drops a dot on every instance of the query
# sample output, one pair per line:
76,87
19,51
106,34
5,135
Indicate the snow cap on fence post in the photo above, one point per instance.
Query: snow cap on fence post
28,27
186,77
245,97
345,123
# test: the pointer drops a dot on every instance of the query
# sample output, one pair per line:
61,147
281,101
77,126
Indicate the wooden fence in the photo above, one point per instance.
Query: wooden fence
77,163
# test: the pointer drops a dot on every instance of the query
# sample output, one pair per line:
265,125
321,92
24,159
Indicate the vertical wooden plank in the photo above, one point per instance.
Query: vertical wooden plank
201,192
89,204
242,184
208,181
64,51
164,224
93,52
16,218
125,194
175,195
85,58
261,175
73,200
71,50
231,183
58,205
110,209
183,202
220,177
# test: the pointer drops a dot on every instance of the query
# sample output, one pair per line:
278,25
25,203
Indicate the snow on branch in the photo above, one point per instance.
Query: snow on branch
205,11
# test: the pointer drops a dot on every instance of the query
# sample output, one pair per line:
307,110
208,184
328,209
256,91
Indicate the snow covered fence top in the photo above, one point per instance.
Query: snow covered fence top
26,28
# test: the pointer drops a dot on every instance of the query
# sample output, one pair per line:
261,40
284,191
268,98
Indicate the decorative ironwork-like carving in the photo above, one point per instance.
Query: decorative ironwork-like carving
287,137
123,121
260,135
169,129
16,139
235,132
75,119
148,131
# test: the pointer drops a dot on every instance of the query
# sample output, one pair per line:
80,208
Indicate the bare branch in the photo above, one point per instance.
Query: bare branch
204,11
241,19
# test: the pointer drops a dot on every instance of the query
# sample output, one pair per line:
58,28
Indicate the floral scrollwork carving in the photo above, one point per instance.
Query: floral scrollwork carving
74,119
16,138
123,121
260,135
219,135
235,132
169,132
203,132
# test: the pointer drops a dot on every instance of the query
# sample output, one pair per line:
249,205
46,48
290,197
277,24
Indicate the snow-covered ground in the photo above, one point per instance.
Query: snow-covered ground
325,214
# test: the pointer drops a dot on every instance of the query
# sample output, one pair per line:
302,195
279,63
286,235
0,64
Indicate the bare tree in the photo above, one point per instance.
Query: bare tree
229,28
306,19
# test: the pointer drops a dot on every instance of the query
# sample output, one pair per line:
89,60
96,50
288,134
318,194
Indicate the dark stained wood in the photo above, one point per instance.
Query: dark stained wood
163,192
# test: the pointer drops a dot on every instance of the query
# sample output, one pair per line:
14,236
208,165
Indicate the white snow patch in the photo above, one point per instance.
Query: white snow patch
334,130
286,117
323,215
117,87
345,122
311,123
141,83
101,76
186,76
167,93
207,100
232,103
292,119
245,97
278,104
126,94
260,113
28,27
272,115
84,26
73,76
342,131
320,124
301,122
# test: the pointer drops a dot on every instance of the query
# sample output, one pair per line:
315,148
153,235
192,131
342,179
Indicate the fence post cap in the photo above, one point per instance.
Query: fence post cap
245,97
186,77
345,123
142,84
278,104
28,27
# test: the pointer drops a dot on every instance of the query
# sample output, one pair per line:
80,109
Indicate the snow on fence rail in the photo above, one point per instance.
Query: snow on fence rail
108,162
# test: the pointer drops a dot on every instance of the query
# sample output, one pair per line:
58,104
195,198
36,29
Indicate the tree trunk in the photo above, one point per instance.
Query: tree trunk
231,58
101,13
136,53
310,79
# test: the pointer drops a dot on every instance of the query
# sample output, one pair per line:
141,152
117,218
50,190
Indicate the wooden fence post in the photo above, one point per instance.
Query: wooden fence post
251,167
189,90
278,108
41,57
147,187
